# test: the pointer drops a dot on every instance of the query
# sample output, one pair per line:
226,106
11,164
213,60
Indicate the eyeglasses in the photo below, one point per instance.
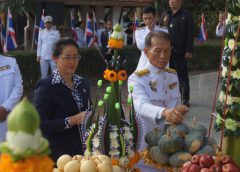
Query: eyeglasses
69,58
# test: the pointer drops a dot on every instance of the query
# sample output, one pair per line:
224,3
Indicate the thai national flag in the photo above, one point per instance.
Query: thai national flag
135,25
73,26
2,31
41,25
89,33
95,29
10,43
203,31
36,31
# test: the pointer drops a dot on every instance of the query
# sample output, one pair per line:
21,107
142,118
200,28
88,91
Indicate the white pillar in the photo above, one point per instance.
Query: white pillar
116,13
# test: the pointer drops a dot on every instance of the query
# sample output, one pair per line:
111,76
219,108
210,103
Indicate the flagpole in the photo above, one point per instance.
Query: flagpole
33,37
5,46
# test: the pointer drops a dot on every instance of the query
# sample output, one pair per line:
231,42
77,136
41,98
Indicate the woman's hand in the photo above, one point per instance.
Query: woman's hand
77,119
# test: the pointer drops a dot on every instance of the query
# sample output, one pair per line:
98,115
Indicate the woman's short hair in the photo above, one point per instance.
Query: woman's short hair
158,34
62,43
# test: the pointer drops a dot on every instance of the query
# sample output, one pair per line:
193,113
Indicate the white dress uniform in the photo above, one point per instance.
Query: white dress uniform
140,35
46,40
80,35
153,91
11,87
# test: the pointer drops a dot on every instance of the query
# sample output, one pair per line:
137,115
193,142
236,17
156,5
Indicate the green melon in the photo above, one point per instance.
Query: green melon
179,158
159,157
153,137
170,144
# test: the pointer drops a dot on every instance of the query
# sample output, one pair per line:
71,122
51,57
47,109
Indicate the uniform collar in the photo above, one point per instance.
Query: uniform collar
177,13
154,69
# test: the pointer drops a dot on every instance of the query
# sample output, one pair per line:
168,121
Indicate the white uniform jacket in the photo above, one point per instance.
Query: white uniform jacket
140,35
46,40
153,92
11,88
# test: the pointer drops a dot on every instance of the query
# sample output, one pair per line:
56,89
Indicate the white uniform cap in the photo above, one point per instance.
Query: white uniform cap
47,19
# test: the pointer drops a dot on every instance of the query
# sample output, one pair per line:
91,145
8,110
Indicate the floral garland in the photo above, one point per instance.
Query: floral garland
33,164
231,120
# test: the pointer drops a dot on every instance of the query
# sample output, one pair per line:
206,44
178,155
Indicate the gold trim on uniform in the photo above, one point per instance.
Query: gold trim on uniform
141,27
5,67
143,72
170,70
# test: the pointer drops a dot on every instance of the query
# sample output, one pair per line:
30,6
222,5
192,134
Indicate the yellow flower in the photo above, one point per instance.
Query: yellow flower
234,60
229,100
224,71
231,124
231,43
122,75
221,96
236,74
112,76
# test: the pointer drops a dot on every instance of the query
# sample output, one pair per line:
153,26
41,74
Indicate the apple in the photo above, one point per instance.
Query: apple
195,159
185,169
216,167
230,167
195,168
205,170
226,159
206,161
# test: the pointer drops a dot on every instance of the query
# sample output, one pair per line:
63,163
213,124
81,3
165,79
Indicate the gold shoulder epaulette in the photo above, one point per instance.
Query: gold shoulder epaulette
170,70
143,72
140,27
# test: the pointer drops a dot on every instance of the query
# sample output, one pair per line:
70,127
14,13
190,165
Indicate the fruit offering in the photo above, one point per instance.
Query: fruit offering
176,144
207,163
79,163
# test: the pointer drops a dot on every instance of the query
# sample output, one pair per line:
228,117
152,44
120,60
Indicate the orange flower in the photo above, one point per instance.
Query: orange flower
106,73
115,162
115,43
122,75
33,164
112,76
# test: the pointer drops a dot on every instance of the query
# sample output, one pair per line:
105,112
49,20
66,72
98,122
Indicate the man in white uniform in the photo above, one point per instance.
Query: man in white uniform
156,94
11,90
220,27
149,18
46,39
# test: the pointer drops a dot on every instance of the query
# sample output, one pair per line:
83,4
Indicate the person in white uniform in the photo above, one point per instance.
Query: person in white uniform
149,18
156,94
11,90
46,39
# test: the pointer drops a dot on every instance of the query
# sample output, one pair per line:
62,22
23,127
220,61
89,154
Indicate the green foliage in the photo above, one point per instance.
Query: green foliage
17,6
205,57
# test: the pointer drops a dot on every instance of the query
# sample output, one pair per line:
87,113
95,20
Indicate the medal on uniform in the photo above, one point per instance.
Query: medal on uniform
172,85
153,85
171,25
2,68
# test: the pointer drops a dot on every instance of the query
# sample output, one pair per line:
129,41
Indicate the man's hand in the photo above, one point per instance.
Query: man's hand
77,119
175,115
3,114
151,24
188,55
38,58
109,51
